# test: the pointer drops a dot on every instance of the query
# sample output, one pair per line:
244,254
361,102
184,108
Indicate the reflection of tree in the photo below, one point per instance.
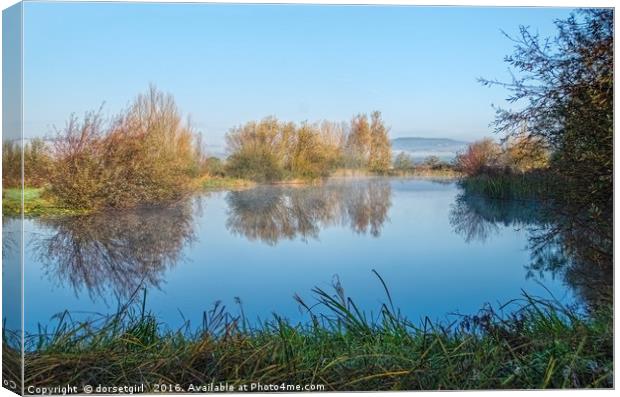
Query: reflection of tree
570,254
116,251
477,217
558,244
10,234
367,206
270,214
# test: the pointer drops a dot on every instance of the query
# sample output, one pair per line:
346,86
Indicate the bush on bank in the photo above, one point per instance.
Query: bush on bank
144,156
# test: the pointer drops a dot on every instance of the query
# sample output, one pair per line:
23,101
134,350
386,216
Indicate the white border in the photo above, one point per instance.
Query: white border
482,3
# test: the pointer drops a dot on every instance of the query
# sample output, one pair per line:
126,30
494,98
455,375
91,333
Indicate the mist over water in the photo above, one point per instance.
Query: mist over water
439,251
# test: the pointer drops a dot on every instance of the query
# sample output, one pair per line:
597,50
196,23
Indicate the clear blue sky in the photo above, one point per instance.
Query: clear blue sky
227,64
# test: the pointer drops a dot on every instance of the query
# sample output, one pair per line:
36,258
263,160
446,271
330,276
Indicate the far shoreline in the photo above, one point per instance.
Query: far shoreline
37,204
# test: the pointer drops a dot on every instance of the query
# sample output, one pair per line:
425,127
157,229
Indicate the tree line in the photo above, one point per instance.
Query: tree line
148,154
271,149
561,129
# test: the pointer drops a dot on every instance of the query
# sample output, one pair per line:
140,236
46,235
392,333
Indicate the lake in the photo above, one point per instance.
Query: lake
439,252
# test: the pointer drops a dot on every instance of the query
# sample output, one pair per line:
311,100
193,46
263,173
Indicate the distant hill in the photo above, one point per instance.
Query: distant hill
420,148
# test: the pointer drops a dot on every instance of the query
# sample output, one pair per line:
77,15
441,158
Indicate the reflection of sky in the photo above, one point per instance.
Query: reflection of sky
429,269
11,275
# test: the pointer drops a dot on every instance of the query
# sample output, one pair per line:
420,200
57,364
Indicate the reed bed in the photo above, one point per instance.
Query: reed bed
541,345
520,186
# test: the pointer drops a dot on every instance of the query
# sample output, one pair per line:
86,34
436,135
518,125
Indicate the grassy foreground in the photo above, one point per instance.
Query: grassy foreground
542,346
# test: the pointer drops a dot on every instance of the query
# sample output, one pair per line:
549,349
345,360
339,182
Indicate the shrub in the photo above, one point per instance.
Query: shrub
11,164
214,167
145,156
432,161
269,150
478,157
37,163
403,161
257,166
312,158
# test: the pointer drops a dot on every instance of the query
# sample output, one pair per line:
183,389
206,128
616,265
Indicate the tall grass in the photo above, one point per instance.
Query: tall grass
11,358
542,345
521,186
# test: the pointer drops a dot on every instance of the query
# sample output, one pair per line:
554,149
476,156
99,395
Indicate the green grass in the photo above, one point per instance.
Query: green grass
36,203
543,346
225,183
525,186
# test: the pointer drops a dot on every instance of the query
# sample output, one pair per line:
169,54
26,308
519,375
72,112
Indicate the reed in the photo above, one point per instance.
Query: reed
540,345
521,186
11,359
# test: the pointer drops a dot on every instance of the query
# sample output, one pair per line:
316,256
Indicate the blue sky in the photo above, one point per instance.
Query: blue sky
228,64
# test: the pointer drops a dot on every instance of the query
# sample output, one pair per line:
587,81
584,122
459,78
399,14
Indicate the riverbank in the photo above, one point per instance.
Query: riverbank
225,183
37,202
421,171
543,346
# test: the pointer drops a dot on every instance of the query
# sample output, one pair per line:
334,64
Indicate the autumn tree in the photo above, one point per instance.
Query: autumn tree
311,155
143,156
564,87
380,153
271,149
522,153
359,141
11,164
368,144
260,150
479,156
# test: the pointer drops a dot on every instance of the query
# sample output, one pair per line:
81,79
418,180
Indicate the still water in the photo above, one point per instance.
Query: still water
438,251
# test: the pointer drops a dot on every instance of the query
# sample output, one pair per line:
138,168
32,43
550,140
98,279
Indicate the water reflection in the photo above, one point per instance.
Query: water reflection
477,218
557,246
270,214
586,268
9,239
115,252
111,254
399,227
